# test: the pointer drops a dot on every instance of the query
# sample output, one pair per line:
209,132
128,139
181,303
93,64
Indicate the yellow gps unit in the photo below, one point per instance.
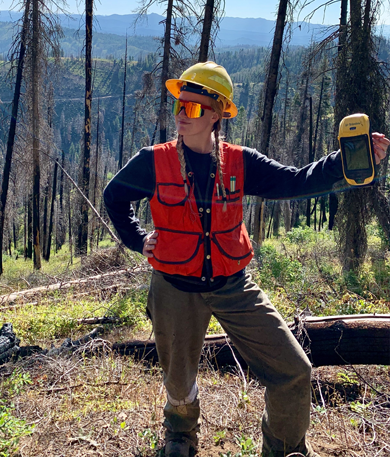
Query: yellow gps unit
357,150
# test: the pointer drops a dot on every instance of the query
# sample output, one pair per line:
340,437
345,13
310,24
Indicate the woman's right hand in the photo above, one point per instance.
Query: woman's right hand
149,244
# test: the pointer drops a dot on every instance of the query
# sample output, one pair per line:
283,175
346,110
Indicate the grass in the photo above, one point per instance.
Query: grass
302,271
20,274
56,318
299,271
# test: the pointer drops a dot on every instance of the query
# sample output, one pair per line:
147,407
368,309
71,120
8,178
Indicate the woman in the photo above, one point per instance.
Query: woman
199,250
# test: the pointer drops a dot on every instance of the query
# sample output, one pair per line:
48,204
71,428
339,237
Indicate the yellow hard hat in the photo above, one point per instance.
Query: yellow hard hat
214,81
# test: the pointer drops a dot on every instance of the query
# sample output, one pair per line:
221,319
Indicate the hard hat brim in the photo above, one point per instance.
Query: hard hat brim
174,85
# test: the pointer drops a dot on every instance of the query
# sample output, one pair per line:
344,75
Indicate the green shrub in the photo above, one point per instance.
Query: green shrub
276,268
302,235
11,430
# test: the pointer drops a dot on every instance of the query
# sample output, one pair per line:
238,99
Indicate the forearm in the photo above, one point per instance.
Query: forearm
269,179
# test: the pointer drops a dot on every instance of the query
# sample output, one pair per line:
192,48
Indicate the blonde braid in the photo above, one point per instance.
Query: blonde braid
182,160
217,155
218,108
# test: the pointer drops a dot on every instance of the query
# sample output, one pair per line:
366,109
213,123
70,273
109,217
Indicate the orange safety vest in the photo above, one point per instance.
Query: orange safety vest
182,244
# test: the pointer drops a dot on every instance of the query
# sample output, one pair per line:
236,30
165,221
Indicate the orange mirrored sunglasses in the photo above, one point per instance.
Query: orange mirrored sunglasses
193,110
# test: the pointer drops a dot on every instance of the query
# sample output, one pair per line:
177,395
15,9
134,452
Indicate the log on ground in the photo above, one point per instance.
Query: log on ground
333,340
343,340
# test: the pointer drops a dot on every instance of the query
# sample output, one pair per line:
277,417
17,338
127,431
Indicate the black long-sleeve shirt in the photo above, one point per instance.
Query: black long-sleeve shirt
263,177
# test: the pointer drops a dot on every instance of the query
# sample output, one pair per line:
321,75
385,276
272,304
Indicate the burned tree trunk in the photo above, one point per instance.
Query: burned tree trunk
269,99
120,160
163,116
35,80
53,199
333,340
83,229
206,32
9,343
12,131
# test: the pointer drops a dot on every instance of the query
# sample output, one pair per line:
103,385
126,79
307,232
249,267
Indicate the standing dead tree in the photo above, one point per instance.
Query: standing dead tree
210,18
12,128
38,35
120,161
83,227
35,76
361,87
53,199
271,85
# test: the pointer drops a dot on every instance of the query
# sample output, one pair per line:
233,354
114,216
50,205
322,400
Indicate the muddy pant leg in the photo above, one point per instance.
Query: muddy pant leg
180,321
273,354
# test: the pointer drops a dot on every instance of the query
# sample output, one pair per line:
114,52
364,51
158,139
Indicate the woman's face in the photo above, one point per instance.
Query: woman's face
201,126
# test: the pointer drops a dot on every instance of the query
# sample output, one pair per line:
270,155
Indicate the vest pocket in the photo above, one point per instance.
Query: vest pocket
176,247
171,194
231,197
233,243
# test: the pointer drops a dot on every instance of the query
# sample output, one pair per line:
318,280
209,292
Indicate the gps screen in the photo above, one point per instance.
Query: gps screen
356,152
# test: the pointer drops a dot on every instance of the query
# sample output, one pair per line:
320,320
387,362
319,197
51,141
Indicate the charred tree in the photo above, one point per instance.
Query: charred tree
12,129
53,200
361,88
206,32
61,226
95,227
120,161
163,114
332,340
85,181
35,87
271,85
29,252
311,157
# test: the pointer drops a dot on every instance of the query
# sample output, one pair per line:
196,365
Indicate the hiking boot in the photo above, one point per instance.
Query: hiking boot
179,448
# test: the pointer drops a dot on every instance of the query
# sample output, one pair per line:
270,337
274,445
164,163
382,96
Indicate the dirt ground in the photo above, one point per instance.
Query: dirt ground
113,407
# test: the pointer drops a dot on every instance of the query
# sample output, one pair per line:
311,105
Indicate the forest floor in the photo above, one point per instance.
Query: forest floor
95,402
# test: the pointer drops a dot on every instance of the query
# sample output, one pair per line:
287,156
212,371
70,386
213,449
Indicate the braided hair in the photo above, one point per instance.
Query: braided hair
182,160
217,106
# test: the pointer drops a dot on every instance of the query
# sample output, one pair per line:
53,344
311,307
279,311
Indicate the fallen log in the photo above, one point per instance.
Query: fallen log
334,340
115,288
13,296
9,349
99,320
344,340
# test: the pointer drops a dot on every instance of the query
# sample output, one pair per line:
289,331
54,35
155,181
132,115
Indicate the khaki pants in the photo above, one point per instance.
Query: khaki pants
180,321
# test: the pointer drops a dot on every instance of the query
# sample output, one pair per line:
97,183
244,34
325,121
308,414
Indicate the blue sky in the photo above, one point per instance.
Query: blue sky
233,8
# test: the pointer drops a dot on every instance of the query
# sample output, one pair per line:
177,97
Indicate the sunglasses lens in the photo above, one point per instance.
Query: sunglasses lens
176,106
193,110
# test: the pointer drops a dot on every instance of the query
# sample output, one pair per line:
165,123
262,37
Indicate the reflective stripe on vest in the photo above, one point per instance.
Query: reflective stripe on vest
181,239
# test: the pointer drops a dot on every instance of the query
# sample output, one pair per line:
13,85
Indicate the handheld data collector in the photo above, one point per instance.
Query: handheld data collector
357,150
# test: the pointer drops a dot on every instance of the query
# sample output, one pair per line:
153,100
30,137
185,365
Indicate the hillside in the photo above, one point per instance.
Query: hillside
246,65
110,32
105,45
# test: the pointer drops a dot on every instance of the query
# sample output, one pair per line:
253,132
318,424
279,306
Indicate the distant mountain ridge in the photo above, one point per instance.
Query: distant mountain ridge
233,31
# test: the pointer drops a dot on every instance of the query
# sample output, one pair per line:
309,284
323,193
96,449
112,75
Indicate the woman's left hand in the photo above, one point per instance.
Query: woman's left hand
381,143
